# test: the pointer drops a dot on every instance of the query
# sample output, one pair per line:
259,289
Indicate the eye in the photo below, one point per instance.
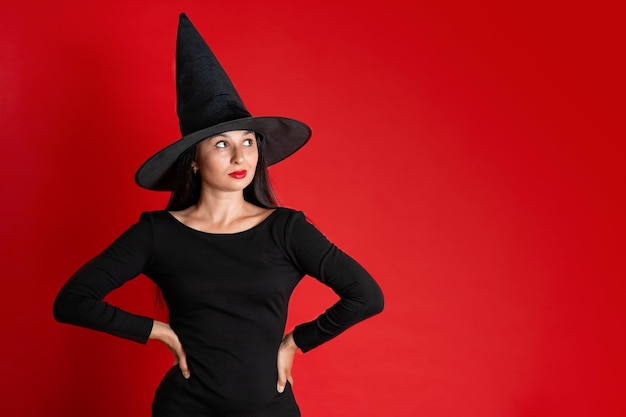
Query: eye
220,144
248,142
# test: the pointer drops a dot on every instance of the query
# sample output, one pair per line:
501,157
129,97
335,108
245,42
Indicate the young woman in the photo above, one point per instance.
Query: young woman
224,256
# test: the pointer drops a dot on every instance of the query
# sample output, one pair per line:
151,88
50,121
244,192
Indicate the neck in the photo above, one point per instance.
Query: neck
220,207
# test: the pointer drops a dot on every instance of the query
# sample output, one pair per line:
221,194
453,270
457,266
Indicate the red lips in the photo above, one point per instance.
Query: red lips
238,174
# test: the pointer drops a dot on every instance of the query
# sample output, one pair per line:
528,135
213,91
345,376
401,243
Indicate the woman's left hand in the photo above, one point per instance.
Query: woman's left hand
286,353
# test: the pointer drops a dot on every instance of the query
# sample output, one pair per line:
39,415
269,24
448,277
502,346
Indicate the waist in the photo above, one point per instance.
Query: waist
221,392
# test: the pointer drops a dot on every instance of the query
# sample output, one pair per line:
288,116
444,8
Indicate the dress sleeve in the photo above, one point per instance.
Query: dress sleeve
80,301
360,296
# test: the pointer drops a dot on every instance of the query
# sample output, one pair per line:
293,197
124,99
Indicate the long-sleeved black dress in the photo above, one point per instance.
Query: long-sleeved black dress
227,296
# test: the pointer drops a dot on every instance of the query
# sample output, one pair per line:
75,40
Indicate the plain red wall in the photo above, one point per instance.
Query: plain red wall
470,155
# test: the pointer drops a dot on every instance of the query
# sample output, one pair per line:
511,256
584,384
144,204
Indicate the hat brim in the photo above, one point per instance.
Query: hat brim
281,138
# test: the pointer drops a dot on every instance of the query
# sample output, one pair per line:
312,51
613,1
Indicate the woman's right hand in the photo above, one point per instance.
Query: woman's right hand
163,332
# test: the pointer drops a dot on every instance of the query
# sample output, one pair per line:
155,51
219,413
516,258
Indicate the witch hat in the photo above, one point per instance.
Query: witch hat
208,104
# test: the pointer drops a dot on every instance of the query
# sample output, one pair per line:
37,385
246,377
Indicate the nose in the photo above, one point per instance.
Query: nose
237,156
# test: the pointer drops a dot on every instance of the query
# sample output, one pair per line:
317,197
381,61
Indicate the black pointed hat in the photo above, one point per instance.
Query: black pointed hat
208,104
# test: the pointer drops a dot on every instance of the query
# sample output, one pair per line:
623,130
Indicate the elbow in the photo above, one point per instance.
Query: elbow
372,302
376,303
64,308
380,303
59,310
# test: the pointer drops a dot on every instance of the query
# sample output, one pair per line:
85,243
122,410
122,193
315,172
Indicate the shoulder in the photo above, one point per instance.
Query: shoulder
282,222
296,226
155,216
287,216
286,211
152,220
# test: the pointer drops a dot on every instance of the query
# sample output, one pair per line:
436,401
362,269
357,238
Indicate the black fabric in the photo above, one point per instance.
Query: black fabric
205,96
227,295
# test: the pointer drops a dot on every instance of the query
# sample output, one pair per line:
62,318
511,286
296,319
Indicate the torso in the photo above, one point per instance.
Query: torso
227,295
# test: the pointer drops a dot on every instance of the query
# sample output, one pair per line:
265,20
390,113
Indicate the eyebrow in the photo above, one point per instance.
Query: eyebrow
224,135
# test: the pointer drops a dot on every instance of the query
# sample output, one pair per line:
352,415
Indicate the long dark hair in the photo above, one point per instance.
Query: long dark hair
186,190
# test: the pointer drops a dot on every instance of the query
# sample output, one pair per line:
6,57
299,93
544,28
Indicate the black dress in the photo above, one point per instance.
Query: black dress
227,296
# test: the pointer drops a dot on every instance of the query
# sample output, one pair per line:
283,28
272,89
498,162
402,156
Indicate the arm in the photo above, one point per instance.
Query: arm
360,296
80,301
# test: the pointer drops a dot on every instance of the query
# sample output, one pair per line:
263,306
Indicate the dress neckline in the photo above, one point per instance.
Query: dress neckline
234,234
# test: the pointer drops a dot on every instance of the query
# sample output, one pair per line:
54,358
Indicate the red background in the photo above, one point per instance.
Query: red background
469,154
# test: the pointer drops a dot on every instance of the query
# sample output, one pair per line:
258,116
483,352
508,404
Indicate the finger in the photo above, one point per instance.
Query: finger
282,380
182,363
184,368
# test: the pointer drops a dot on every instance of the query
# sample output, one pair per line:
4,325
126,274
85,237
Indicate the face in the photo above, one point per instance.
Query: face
227,162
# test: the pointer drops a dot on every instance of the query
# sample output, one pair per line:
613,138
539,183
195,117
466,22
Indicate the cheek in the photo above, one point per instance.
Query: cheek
253,157
214,161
